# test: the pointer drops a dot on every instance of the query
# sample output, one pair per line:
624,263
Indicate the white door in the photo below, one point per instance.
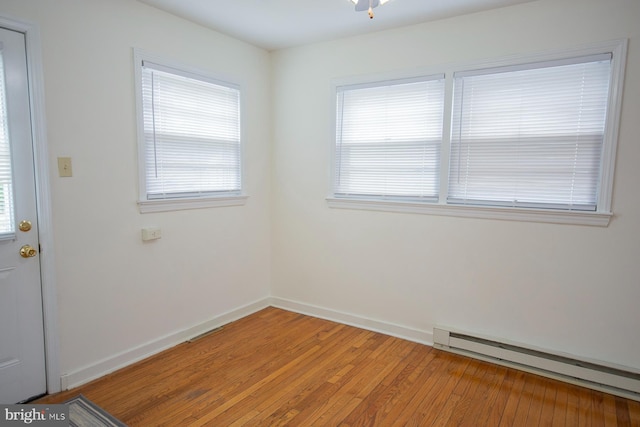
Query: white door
22,363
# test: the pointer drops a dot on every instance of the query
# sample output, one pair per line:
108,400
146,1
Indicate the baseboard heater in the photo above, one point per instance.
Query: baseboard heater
617,380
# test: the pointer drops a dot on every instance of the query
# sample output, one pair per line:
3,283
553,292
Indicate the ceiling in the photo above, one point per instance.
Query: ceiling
278,24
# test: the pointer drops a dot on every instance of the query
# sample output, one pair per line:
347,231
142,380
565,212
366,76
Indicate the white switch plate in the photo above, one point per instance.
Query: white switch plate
64,167
151,233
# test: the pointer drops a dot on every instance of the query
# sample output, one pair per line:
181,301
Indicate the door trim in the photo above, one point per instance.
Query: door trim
43,196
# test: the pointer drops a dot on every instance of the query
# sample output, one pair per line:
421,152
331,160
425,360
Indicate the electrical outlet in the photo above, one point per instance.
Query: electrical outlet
151,233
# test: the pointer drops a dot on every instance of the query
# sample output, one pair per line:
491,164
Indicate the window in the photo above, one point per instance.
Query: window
190,151
388,139
7,224
530,136
532,139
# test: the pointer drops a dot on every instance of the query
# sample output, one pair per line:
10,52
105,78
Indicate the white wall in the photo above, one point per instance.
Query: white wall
567,288
115,292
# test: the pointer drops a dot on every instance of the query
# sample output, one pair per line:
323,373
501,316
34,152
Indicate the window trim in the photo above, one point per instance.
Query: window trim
603,214
600,219
174,204
164,205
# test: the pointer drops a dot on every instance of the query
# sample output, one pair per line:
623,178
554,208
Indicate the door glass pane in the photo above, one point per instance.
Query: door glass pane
7,226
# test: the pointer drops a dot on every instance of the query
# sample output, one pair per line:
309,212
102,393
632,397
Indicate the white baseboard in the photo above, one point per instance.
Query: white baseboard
113,363
105,366
415,335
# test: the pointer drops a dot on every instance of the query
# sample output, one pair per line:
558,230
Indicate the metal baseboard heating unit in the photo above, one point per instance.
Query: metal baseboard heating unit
617,380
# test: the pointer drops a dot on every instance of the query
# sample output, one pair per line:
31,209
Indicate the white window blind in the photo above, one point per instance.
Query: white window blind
530,135
7,223
191,134
388,138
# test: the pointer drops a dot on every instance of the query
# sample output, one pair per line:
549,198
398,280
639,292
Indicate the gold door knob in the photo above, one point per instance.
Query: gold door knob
28,251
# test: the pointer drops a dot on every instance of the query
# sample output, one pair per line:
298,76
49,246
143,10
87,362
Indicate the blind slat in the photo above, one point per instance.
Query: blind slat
388,138
7,222
529,137
192,134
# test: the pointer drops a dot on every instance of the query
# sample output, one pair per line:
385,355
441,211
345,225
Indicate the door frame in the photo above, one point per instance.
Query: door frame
43,196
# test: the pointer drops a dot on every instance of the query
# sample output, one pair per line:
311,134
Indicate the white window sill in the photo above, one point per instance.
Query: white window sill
149,206
599,219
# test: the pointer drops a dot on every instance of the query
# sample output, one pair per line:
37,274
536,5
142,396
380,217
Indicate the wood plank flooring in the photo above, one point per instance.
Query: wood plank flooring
277,368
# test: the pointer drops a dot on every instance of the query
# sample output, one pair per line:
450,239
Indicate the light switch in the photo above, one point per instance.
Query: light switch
64,166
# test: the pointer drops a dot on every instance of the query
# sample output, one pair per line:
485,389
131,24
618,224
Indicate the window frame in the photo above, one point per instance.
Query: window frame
600,217
146,205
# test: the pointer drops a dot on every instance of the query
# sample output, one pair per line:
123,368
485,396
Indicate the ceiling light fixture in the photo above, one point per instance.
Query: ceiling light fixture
367,5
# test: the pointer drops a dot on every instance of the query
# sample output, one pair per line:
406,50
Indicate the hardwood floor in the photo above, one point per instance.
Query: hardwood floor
278,368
